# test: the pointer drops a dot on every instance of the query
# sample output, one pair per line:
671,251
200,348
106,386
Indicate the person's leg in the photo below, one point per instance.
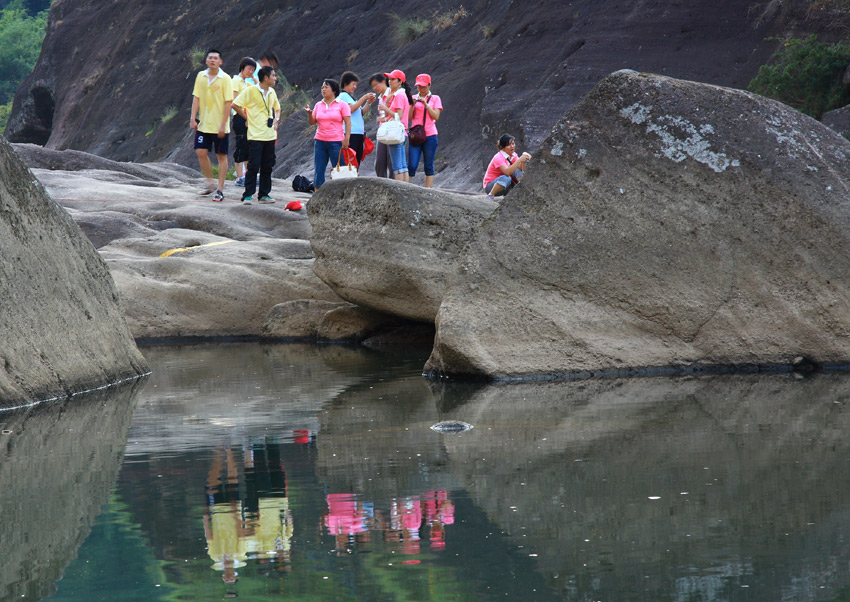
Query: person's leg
266,165
255,153
320,162
203,145
413,156
398,157
333,151
430,151
222,149
382,154
240,151
355,142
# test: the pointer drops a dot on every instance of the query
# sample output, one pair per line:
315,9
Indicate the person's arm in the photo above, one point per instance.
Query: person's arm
196,103
347,120
434,113
311,115
240,111
222,129
508,170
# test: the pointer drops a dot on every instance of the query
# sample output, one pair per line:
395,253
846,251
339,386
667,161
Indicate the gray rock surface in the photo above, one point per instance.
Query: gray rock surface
298,320
663,223
61,325
235,262
391,246
838,120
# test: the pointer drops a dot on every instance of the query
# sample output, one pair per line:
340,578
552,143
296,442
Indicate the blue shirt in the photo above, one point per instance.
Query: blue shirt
357,125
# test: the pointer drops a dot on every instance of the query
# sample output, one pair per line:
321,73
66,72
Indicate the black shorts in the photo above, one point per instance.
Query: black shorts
212,141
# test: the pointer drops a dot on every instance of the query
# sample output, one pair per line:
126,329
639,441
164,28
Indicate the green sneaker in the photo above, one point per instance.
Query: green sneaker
267,200
247,200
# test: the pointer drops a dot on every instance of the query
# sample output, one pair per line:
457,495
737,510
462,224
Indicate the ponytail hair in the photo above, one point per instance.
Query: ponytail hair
406,88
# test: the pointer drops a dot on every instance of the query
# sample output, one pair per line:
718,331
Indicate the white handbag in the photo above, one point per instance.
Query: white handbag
342,172
391,132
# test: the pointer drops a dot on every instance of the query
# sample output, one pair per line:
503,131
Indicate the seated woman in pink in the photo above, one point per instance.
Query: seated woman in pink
505,168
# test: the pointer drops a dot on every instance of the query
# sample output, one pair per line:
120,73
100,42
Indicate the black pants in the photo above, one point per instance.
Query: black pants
355,143
240,135
260,159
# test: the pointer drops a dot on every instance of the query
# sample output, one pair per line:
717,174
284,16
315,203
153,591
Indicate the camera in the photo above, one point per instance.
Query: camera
271,121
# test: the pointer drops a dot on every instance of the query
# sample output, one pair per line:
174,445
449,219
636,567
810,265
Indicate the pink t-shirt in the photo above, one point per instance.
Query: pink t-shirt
493,171
330,120
435,103
400,101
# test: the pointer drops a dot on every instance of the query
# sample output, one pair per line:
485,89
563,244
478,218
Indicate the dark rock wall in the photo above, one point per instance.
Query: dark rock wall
108,71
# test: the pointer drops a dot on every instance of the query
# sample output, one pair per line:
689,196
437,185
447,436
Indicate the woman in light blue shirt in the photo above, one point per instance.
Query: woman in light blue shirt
348,82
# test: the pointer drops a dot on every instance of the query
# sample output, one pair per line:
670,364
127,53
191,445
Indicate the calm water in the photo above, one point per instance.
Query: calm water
284,472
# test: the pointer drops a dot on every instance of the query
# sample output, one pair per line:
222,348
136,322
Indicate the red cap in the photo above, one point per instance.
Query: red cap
423,79
395,74
293,206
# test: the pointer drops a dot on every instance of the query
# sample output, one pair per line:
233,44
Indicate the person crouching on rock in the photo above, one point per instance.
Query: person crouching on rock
334,119
260,108
505,169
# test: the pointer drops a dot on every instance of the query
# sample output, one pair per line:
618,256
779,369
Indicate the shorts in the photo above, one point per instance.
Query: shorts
212,141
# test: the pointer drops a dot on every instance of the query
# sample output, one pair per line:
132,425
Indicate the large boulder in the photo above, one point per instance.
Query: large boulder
391,246
663,223
61,325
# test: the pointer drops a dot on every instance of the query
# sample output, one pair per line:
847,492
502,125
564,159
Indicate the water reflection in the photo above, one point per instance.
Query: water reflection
57,466
299,472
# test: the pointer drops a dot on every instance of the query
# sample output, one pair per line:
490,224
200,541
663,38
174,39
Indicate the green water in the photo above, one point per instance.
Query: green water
284,472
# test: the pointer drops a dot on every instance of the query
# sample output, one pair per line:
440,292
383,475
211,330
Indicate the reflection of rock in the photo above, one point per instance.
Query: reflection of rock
58,465
741,466
663,223
274,384
62,328
375,440
391,246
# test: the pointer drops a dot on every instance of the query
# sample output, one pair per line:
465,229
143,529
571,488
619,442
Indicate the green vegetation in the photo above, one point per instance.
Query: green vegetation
442,21
197,55
21,34
807,75
291,97
407,30
231,173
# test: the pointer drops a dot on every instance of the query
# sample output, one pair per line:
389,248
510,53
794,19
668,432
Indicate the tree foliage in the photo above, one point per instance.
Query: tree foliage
807,75
20,42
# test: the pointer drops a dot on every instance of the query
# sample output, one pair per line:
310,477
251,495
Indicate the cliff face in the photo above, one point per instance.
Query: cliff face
108,72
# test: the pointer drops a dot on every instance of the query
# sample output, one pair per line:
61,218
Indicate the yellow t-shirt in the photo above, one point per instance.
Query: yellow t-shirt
212,97
259,110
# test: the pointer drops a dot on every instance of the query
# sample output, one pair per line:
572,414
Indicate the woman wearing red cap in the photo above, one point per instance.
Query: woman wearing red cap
398,105
426,109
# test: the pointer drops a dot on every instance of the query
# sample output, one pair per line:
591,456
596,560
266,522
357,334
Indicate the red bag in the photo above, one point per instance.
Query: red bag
368,146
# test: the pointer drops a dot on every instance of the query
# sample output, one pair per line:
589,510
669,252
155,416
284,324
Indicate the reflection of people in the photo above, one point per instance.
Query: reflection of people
505,168
252,522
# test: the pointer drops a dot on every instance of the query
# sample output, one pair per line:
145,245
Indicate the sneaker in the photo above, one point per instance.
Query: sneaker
266,200
219,196
240,182
247,200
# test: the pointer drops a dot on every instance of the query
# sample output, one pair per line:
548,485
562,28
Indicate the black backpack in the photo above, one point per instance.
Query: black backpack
302,184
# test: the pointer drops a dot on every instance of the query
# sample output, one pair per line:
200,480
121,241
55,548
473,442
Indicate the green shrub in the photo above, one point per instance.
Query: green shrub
806,74
20,42
5,111
291,97
407,30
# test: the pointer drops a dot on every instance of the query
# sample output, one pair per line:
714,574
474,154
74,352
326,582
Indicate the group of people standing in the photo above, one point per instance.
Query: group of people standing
341,121
342,124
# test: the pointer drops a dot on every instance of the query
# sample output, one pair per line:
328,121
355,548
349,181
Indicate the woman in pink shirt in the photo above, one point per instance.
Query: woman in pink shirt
505,168
398,104
427,108
334,119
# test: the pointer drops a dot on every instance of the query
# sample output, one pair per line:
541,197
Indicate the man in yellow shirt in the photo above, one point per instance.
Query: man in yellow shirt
259,106
212,96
